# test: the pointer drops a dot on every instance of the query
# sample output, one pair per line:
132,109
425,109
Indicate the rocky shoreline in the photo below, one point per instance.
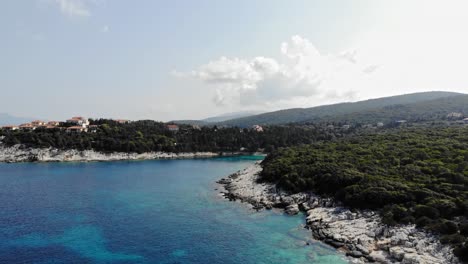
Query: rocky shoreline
19,153
360,234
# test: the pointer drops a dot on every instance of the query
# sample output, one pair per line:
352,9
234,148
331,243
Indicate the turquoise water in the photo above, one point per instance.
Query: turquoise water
163,211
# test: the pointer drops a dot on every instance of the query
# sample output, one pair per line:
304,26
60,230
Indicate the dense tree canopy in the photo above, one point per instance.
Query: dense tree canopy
413,175
144,136
416,107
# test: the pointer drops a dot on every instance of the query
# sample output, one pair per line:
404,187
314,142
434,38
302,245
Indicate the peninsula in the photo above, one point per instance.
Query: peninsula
397,196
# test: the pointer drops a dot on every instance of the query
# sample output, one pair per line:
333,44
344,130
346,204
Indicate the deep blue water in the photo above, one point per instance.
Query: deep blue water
163,211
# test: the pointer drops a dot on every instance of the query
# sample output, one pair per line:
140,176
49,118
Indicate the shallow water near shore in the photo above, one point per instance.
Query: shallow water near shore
160,211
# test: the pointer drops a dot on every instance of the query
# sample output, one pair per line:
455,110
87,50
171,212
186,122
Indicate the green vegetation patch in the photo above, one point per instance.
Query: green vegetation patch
414,175
146,135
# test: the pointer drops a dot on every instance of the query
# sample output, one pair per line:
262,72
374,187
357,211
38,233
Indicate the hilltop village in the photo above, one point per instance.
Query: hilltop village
79,124
76,124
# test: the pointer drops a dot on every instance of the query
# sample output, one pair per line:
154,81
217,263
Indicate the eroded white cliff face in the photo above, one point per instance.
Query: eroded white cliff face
18,153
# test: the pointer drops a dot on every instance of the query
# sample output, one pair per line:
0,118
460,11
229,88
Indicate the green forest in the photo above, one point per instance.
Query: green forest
146,135
413,175
428,106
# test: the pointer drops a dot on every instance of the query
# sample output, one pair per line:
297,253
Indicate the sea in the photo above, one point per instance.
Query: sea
154,211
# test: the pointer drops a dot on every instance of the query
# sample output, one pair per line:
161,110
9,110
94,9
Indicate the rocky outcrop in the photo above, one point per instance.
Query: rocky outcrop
19,153
360,234
292,209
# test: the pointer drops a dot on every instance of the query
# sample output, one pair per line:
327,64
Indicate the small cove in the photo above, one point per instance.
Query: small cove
156,211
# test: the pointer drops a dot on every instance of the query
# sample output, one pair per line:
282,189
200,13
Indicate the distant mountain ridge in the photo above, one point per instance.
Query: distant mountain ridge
219,118
408,106
7,119
431,110
229,116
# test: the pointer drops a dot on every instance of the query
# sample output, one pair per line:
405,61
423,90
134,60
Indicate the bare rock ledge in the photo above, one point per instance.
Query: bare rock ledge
19,153
360,234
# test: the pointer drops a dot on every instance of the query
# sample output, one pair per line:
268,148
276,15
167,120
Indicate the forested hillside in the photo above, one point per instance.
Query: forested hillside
144,136
432,110
417,175
416,106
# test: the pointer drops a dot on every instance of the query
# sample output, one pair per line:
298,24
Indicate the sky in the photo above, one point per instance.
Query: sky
177,59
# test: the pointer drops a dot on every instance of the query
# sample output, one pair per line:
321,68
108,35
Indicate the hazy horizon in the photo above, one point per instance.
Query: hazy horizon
194,60
215,118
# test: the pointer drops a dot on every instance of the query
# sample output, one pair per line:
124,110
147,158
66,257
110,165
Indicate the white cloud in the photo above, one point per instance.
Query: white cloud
306,76
418,46
371,68
73,8
105,29
413,46
218,98
349,55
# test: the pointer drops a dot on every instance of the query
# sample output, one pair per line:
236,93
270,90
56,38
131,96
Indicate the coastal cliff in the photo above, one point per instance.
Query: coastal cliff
18,153
358,233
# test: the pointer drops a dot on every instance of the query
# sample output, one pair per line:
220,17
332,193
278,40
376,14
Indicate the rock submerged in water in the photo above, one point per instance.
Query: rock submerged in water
224,181
354,254
304,207
292,209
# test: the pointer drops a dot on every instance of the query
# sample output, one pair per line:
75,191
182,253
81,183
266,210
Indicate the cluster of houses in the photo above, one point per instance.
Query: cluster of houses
77,124
175,128
458,116
367,126
454,115
80,124
172,127
257,128
32,125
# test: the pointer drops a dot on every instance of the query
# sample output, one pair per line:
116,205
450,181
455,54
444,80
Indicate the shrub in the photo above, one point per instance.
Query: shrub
423,221
424,210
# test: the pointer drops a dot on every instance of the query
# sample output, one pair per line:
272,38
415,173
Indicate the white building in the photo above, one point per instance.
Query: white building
78,121
93,128
53,123
27,126
454,115
122,121
76,129
38,123
173,128
10,128
257,128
